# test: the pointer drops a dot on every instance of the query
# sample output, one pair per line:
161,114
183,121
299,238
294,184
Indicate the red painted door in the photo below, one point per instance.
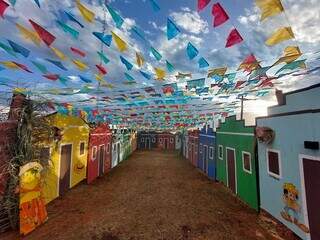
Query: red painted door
231,170
93,164
65,164
107,163
311,169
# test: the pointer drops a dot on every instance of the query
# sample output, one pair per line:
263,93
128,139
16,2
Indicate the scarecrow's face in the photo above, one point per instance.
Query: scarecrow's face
30,179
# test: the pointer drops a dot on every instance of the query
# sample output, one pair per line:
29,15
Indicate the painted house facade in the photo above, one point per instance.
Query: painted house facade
289,164
99,155
185,143
133,141
115,154
147,140
166,141
236,160
178,144
207,143
193,146
69,155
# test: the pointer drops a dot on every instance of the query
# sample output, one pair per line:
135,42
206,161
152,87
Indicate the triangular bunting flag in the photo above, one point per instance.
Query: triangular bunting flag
29,34
57,63
219,14
128,65
87,14
40,67
156,54
160,73
106,39
291,54
170,67
103,57
293,65
145,75
155,5
269,8
45,36
74,33
84,79
19,49
282,34
58,53
73,19
80,65
37,2
139,59
3,7
78,51
233,38
203,63
122,46
115,16
172,29
202,4
192,52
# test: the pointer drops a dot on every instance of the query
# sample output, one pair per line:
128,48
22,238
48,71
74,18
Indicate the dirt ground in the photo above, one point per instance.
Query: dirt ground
152,196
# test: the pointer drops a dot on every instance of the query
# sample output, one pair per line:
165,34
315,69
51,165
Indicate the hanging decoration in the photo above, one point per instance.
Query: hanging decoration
172,29
87,14
282,34
269,8
3,7
202,4
219,14
233,38
45,36
192,52
121,45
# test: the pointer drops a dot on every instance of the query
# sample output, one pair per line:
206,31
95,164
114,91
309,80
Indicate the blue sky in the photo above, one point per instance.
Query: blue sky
303,16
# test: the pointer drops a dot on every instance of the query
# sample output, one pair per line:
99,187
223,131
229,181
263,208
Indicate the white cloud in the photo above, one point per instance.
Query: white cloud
190,21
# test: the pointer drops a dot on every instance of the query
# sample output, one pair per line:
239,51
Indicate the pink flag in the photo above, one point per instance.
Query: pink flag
46,37
3,7
23,67
202,4
78,51
52,77
101,69
219,14
233,38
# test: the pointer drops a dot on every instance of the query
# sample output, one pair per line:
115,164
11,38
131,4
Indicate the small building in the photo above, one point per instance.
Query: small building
99,155
207,143
193,146
166,141
289,161
147,140
69,155
115,155
236,160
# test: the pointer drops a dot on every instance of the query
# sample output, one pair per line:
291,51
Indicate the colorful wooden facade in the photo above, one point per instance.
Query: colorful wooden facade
193,146
147,140
99,155
69,154
166,141
236,160
115,154
289,161
207,142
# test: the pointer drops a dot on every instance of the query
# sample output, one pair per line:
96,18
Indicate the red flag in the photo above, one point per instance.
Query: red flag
219,14
46,37
23,67
78,51
202,4
3,7
101,69
52,77
233,38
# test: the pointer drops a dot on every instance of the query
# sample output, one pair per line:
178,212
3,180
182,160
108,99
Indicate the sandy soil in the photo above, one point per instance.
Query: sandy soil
153,196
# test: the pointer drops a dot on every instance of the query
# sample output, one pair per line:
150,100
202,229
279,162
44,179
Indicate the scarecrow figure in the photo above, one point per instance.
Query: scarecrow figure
32,206
291,205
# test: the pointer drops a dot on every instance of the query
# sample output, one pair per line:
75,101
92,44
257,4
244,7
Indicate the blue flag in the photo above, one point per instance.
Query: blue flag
203,63
57,63
145,75
128,65
19,49
106,39
138,32
155,5
156,54
118,20
172,29
37,2
192,52
84,79
170,67
73,19
129,77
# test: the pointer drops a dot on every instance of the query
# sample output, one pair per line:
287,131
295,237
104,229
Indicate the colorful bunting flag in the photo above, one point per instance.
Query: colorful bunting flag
291,54
80,65
249,64
160,73
203,63
52,77
170,67
37,2
145,75
19,49
154,5
9,64
101,69
217,71
8,49
78,51
269,8
202,4
219,14
73,19
282,34
106,39
57,63
233,38
84,79
138,32
129,77
128,65
183,75
139,59
87,14
118,20
293,65
28,34
195,83
42,68
192,52
156,54
23,67
74,33
13,2
172,29
58,53
103,57
122,46
3,7
45,36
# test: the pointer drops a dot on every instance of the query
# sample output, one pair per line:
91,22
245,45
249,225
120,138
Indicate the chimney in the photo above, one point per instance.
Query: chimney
280,97
17,103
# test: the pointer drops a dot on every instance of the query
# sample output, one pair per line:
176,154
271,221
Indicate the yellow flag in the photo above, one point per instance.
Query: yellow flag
217,71
122,46
140,60
85,12
20,90
58,53
80,65
99,77
9,64
291,54
282,34
160,73
269,8
29,34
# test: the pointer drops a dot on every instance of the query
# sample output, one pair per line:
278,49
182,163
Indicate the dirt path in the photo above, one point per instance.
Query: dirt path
152,196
